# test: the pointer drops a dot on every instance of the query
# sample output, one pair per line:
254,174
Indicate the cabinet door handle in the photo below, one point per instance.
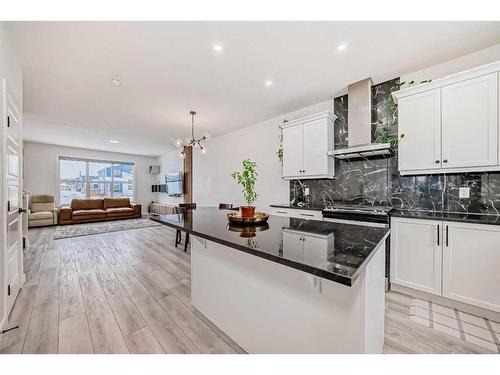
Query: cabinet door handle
438,230
447,236
281,212
307,215
445,161
437,161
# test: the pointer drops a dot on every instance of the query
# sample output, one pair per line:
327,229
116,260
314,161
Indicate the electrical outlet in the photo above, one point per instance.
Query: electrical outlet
306,191
464,192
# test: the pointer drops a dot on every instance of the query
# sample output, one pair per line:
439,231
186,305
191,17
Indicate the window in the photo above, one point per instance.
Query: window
94,179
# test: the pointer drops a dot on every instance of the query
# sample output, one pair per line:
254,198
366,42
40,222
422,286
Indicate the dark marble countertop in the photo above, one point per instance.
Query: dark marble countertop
341,251
309,207
448,216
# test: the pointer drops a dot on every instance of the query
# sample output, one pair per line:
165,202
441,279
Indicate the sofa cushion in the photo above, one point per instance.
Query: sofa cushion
119,210
86,204
116,202
41,215
39,207
95,212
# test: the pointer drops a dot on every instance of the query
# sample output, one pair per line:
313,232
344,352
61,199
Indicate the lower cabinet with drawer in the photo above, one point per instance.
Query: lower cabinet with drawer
460,261
297,213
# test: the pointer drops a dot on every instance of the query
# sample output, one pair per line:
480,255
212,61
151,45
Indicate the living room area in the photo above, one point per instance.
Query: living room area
86,186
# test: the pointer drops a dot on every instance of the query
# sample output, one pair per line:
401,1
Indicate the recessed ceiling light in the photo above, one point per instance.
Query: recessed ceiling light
341,46
269,83
116,82
113,141
217,47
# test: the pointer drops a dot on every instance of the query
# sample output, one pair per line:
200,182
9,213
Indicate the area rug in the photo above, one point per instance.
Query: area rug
87,229
470,328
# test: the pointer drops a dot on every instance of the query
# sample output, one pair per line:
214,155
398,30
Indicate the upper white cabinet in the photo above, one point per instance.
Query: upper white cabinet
451,124
306,142
460,261
420,122
469,122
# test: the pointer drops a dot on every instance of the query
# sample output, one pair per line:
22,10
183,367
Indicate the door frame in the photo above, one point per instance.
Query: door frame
10,108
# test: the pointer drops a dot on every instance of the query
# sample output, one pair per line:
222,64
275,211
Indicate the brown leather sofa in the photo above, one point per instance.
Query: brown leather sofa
89,210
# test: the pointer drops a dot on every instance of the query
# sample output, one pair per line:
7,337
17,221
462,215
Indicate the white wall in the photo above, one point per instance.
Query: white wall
169,162
11,70
41,168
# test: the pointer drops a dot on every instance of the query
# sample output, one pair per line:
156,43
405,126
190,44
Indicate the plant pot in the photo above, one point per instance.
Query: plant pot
247,211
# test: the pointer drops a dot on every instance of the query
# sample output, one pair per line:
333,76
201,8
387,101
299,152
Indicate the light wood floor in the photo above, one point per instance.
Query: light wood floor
129,292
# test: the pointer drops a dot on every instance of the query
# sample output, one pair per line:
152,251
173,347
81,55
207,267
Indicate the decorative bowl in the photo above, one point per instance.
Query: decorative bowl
258,218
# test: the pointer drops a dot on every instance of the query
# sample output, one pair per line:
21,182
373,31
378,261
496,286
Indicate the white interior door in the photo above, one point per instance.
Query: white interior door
12,150
420,122
293,156
469,122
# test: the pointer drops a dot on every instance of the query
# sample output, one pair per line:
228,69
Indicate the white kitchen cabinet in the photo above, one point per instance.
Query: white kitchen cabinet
293,153
469,122
416,254
420,122
292,245
471,264
451,124
459,261
297,213
306,247
306,142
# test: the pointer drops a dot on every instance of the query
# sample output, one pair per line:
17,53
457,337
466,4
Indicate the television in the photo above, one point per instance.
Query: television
174,182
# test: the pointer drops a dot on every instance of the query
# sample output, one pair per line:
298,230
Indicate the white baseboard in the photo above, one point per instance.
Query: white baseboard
471,309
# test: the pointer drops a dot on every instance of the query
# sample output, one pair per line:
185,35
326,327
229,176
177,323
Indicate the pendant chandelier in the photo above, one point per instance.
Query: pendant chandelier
191,141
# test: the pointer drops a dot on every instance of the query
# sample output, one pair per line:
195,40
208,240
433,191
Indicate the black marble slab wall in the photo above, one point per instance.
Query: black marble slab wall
378,182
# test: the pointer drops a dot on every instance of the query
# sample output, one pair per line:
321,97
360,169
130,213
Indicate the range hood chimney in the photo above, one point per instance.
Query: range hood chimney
359,125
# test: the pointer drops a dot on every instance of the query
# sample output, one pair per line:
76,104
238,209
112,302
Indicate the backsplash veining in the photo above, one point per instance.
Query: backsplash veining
377,181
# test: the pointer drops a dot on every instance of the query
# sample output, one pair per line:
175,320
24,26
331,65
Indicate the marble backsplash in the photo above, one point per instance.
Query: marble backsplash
378,182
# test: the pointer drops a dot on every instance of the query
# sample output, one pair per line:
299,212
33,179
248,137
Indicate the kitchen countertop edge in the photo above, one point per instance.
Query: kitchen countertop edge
344,280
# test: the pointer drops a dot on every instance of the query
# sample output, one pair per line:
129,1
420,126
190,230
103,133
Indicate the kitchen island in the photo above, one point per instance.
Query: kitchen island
290,286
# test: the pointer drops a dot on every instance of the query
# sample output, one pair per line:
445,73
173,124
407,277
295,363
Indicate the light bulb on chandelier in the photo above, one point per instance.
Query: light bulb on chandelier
191,141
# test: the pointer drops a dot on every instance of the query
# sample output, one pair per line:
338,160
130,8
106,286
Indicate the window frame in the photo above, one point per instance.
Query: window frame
87,181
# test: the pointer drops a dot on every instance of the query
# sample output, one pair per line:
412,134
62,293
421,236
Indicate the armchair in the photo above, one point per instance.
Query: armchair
42,211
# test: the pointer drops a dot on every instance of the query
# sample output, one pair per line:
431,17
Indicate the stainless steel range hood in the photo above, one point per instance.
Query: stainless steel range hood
359,125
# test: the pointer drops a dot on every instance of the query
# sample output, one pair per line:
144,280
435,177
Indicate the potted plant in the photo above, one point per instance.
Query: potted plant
246,179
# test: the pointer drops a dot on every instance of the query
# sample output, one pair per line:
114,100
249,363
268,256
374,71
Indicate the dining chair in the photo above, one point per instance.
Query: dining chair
178,234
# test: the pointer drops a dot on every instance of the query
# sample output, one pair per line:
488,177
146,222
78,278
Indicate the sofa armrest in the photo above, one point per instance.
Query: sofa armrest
54,215
137,209
66,213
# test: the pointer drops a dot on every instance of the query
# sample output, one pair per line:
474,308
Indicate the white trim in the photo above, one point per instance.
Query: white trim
453,78
317,116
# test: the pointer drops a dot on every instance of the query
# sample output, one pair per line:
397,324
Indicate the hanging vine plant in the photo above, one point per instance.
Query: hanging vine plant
384,134
279,153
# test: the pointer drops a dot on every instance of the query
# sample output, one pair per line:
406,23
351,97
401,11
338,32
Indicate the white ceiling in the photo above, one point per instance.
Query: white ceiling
169,68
